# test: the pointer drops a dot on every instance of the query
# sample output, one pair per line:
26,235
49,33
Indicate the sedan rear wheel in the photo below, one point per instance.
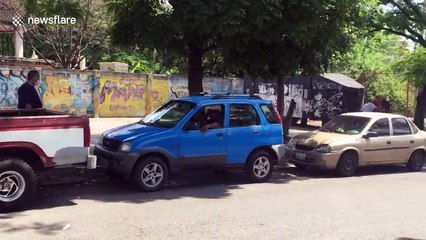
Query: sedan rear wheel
417,161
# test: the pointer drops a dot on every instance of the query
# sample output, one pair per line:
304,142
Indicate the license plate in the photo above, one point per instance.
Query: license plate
301,156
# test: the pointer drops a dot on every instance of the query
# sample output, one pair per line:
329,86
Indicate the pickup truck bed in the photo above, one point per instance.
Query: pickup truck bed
36,140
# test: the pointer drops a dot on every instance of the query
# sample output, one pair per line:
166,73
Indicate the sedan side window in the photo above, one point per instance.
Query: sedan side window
400,127
242,115
381,127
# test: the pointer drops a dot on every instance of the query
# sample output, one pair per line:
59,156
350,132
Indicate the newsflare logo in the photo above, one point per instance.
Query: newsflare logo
19,20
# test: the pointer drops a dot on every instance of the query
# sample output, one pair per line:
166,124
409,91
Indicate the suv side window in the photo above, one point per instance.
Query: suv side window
205,115
270,113
242,115
400,127
381,127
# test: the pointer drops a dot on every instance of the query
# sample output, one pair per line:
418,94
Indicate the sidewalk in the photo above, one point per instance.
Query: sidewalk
100,125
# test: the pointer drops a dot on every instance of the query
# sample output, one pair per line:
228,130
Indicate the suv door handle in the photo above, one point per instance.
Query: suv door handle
388,142
256,132
411,141
219,134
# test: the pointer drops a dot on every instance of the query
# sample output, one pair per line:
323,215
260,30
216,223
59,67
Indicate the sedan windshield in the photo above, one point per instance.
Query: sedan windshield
169,114
346,125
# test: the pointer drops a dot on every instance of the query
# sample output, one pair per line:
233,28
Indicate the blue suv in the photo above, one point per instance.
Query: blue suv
214,131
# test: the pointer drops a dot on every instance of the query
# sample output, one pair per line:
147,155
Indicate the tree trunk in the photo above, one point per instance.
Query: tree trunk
195,68
289,118
420,112
280,94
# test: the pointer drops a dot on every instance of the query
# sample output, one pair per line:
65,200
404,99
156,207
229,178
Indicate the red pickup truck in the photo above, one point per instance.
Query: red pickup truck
32,141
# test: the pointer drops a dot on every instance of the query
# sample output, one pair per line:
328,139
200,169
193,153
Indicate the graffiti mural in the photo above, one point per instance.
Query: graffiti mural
66,92
298,94
327,101
267,91
122,96
10,81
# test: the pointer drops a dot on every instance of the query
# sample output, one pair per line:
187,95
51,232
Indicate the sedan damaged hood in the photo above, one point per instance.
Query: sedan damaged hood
317,138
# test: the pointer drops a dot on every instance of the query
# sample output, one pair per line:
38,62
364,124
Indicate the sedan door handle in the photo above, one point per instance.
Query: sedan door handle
219,134
256,132
388,142
411,141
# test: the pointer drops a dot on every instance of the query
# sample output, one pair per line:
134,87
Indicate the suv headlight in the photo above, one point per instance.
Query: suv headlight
126,146
323,148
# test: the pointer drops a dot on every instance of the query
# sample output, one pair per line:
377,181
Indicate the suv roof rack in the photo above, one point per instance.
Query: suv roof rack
221,96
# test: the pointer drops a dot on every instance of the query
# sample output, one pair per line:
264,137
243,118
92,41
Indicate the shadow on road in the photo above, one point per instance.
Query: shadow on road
95,185
41,228
298,174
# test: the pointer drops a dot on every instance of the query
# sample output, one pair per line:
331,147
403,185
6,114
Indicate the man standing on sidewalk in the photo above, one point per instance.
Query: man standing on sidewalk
28,97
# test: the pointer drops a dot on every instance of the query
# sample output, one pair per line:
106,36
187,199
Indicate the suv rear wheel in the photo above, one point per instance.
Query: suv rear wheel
259,167
17,183
150,174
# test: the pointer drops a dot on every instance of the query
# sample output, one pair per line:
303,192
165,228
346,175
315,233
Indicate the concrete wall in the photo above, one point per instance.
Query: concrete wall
104,94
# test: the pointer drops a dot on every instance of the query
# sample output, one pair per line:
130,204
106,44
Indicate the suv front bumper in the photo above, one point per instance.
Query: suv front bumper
280,151
119,162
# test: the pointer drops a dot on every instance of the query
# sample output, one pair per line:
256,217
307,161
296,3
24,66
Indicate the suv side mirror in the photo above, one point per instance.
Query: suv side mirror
370,135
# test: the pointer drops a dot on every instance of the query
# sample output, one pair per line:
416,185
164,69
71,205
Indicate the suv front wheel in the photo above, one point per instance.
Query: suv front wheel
259,167
150,174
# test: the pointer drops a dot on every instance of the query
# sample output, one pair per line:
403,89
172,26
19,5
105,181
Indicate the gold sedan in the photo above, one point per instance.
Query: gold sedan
358,139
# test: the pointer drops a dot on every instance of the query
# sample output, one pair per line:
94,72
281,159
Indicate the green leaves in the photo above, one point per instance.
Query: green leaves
413,67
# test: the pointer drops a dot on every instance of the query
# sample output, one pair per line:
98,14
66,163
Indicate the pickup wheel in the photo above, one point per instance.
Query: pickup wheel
150,174
259,167
17,183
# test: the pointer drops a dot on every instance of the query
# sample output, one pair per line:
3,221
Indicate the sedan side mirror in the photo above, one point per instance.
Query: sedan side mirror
370,135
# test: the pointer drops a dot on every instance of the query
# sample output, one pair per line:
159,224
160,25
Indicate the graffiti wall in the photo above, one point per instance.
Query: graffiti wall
106,94
10,81
67,92
179,86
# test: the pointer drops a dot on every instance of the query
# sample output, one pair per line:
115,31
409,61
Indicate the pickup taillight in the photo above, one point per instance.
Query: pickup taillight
87,136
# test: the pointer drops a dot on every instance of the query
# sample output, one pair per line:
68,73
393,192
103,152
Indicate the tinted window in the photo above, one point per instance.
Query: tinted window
270,113
243,115
381,127
400,126
346,124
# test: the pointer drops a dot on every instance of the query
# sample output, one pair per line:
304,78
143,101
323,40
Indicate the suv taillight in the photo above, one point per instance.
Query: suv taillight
279,116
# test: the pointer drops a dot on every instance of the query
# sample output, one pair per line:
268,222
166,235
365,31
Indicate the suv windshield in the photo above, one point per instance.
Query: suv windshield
346,125
169,114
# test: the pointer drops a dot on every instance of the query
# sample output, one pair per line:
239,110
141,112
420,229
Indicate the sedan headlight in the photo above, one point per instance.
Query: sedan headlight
323,148
291,143
126,146
101,139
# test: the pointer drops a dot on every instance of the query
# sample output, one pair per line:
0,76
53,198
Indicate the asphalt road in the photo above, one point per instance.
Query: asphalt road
378,203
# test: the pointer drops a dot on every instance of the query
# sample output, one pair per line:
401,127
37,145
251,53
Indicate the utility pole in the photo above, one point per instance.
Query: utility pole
407,100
